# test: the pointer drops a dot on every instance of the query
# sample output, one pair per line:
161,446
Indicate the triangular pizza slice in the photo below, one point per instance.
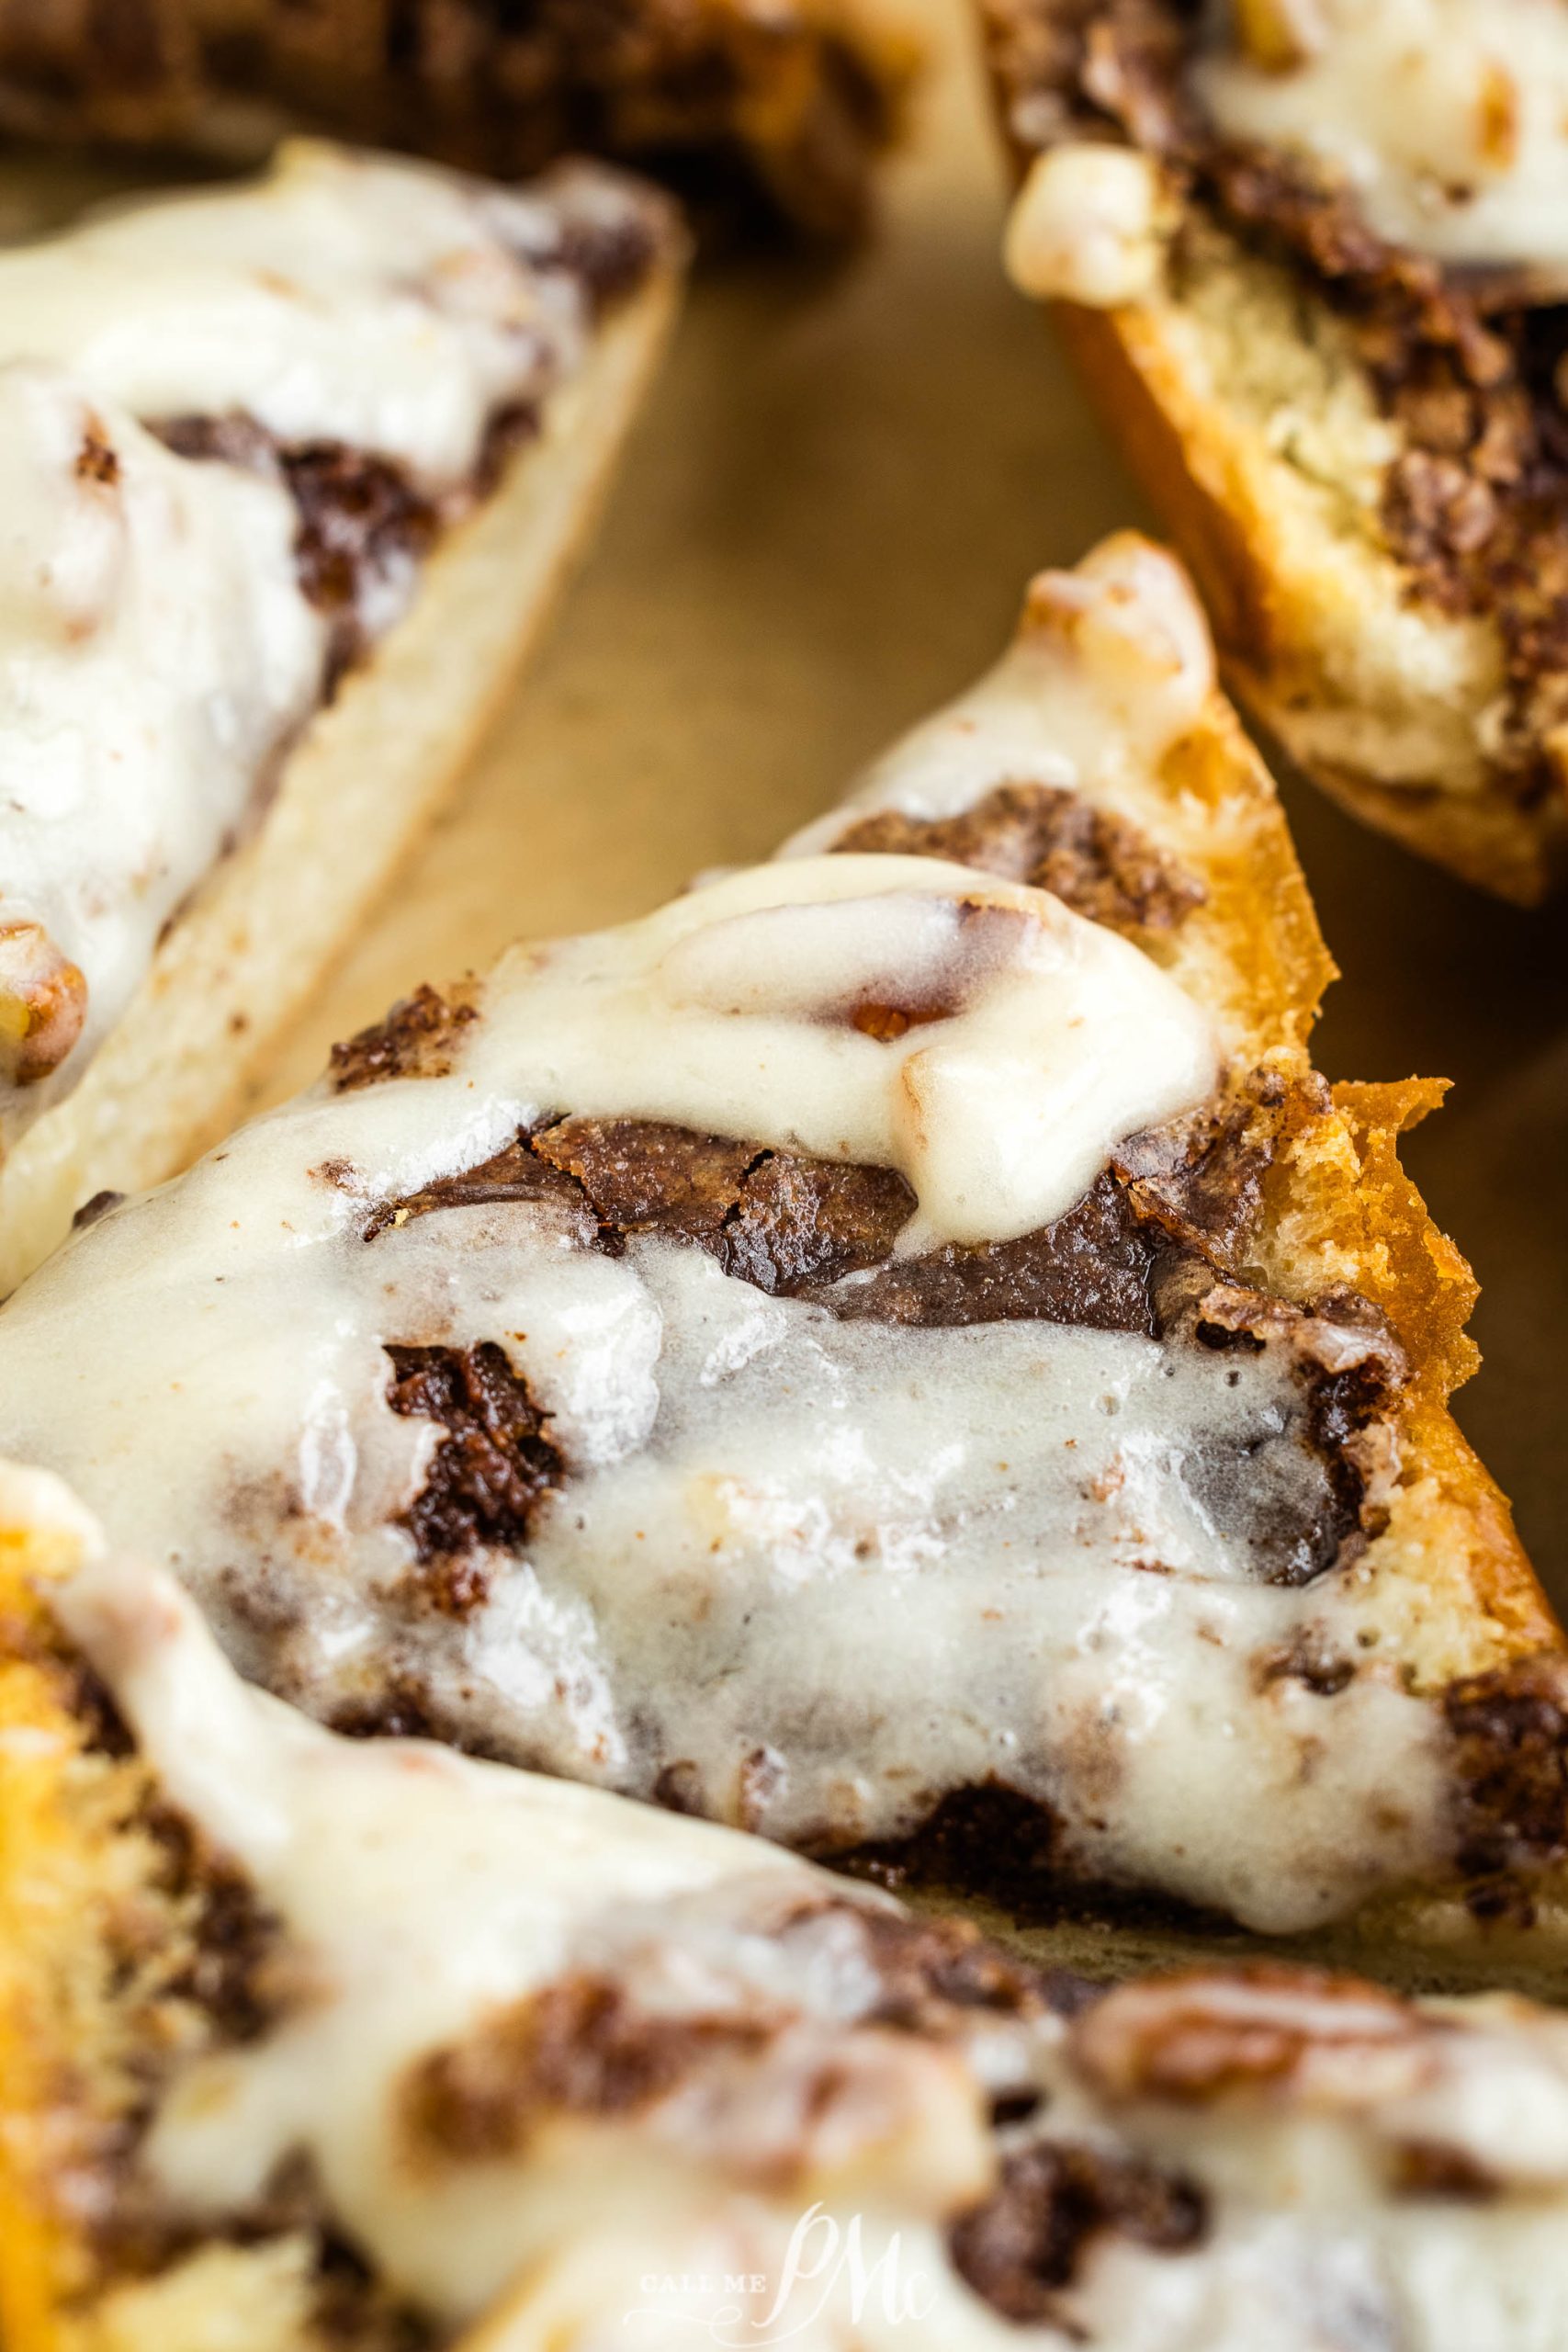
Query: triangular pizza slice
897,1351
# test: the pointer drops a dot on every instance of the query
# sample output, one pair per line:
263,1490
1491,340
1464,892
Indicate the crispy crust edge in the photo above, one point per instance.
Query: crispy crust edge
1262,620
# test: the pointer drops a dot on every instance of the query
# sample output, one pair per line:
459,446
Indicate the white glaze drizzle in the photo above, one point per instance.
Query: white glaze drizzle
1041,1040
155,655
344,295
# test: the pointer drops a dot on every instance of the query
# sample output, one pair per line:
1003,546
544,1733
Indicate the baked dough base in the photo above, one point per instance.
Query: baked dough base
1318,640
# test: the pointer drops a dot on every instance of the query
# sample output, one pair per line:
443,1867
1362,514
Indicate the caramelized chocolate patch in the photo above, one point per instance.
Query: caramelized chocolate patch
231,1973
1201,1178
1090,1268
1027,2242
769,1217
516,1173
995,1843
803,1225
363,526
644,1177
1098,863
987,1840
487,1474
1348,1369
582,2046
415,1040
1510,1733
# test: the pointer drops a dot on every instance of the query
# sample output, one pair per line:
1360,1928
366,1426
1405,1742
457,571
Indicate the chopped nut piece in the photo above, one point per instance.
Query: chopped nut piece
1087,226
1279,34
43,1003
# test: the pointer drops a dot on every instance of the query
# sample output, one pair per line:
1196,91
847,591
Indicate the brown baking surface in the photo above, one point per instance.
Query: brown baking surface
823,527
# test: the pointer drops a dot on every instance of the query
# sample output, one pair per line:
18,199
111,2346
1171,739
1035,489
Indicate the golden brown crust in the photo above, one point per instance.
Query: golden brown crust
63,1846
1339,1209
1268,636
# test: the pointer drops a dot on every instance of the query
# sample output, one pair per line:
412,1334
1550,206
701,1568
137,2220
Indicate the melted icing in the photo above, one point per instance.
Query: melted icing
1263,2154
1446,117
890,1561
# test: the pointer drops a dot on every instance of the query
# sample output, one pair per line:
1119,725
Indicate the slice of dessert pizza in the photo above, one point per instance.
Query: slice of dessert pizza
310,2042
770,107
1312,256
896,1350
291,472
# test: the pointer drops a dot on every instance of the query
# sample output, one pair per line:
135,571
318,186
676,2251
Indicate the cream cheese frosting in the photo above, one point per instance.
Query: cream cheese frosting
1035,1041
157,654
344,297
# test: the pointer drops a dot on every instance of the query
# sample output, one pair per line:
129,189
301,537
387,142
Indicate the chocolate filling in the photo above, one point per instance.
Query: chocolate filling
581,2045
1476,508
1029,2239
1148,1250
1104,867
485,1476
771,112
415,1040
1175,1200
363,526
999,1845
1510,1732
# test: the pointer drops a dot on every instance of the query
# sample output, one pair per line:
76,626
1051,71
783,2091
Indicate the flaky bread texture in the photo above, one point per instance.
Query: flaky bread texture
1247,420
360,786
